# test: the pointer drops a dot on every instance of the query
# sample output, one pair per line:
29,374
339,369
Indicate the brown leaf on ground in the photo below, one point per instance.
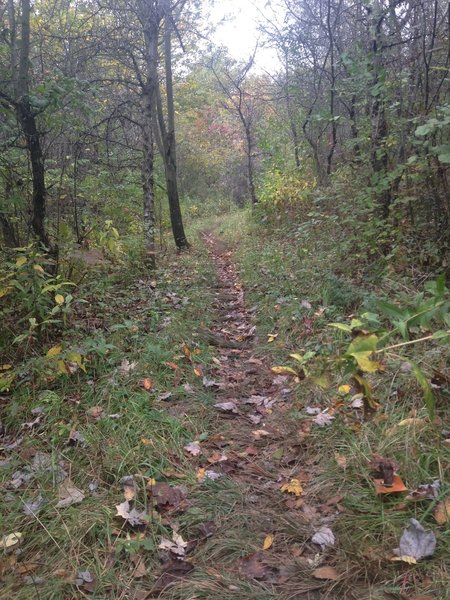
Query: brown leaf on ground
326,573
69,494
148,384
442,512
252,567
171,574
96,412
168,498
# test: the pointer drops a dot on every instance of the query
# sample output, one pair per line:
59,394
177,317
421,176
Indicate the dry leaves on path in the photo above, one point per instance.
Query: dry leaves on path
326,573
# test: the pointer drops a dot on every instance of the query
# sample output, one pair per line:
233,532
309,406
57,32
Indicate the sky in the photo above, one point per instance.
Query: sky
239,31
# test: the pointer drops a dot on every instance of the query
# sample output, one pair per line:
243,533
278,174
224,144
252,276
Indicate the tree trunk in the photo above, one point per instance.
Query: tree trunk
169,141
148,181
27,120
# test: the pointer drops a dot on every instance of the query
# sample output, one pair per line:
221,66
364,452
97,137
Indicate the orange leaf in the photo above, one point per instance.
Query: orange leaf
268,541
396,487
198,371
172,365
147,383
186,351
201,474
442,512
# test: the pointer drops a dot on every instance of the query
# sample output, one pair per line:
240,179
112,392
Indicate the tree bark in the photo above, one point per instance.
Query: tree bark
169,140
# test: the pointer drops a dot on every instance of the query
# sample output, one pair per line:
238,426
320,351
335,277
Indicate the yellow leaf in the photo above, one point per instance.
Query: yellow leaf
146,441
407,559
21,261
297,357
10,540
293,487
268,541
284,371
201,474
38,268
5,367
54,351
59,299
62,367
271,337
344,389
5,291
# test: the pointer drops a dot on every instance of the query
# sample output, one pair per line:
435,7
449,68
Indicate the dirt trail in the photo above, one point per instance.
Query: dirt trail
264,450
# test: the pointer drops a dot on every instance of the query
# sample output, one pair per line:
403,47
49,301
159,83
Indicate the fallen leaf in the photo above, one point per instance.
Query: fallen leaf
312,410
177,545
268,542
201,474
198,371
86,581
341,461
7,541
147,384
96,412
326,573
324,537
193,448
139,570
227,407
284,371
209,383
76,439
31,508
69,494
271,337
167,497
126,366
253,567
133,517
427,491
293,487
323,419
442,512
213,475
396,487
344,389
415,543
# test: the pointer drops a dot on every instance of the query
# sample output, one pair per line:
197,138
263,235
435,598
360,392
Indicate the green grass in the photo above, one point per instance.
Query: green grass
279,271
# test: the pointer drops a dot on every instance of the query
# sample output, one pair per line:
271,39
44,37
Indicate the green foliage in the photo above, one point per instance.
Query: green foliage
35,301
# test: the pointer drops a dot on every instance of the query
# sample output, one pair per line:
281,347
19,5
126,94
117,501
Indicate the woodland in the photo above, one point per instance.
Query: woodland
224,312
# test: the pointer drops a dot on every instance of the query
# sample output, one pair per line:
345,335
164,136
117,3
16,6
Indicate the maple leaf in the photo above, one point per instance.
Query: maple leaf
69,494
324,537
131,516
293,487
193,448
176,546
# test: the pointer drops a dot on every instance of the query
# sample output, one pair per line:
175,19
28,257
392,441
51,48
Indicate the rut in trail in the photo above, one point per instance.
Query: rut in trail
264,450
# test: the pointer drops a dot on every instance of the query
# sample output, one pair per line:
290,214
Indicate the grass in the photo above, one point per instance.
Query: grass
144,436
279,275
297,281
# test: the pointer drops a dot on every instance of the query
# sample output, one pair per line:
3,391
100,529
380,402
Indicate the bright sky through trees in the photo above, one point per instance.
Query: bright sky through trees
238,30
